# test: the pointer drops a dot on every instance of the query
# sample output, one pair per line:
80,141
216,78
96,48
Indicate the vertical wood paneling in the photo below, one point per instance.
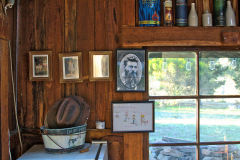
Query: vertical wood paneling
40,44
25,35
235,8
128,12
4,62
52,90
199,10
131,149
70,38
85,43
101,21
106,38
133,146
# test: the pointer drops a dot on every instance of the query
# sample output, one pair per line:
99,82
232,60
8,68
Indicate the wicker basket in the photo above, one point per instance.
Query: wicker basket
65,139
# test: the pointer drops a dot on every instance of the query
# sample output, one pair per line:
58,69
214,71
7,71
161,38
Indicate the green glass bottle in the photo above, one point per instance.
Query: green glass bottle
219,12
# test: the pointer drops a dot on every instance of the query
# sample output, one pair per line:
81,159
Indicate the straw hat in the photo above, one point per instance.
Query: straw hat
67,112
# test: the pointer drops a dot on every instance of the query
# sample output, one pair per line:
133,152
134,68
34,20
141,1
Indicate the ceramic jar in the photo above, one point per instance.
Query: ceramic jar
207,18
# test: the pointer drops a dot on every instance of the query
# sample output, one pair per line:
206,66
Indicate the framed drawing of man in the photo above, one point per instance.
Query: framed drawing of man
130,70
70,67
100,63
40,65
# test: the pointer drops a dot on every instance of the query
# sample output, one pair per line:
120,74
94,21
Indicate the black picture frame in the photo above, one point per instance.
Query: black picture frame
131,70
133,116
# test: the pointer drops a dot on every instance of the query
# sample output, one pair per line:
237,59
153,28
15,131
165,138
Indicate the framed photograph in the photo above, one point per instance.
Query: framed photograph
70,65
40,65
135,116
130,70
100,63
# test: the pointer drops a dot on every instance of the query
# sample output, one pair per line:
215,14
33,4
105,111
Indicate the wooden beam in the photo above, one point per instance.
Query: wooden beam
4,62
175,36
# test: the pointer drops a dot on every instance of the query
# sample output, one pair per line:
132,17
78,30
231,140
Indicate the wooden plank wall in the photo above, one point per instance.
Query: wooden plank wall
64,26
4,97
7,34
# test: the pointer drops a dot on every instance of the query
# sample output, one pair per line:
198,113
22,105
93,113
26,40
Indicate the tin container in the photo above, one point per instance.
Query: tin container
100,125
65,139
149,12
181,13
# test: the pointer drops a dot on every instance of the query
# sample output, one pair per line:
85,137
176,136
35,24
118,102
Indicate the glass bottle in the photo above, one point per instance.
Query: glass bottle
168,17
181,13
219,11
230,15
193,17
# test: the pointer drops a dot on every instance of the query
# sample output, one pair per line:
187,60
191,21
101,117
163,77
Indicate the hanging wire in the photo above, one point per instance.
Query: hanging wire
9,146
164,65
211,65
14,99
234,63
188,65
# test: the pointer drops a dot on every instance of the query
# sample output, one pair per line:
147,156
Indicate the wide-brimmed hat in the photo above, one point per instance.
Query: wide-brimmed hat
67,112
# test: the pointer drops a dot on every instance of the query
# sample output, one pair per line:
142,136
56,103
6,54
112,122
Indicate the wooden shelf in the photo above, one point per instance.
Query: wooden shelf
179,36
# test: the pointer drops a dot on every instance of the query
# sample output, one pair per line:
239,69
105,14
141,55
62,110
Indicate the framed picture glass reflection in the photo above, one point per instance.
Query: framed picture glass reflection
100,65
70,67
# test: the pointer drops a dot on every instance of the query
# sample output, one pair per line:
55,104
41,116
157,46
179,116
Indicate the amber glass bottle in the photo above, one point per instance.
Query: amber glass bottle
168,15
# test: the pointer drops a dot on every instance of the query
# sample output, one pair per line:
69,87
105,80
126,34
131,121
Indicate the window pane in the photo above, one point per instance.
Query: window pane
220,120
219,73
172,153
175,121
220,152
172,73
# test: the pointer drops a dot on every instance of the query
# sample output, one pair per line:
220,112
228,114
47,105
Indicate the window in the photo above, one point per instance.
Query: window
197,105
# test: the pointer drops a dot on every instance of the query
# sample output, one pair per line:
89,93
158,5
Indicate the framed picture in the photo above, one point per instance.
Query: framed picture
130,70
100,63
70,65
135,116
40,65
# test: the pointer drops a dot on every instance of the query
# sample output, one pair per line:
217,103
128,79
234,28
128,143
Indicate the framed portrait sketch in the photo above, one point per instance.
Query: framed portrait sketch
100,63
70,65
40,65
135,116
130,70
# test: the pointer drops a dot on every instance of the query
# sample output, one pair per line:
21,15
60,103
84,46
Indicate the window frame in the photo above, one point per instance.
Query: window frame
197,97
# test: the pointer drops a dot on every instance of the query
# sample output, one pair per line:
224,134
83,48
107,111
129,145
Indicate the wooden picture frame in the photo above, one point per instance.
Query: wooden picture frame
70,67
137,116
100,63
131,70
40,65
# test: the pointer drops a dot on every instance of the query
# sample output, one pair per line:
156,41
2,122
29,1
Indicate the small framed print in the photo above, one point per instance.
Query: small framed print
130,70
100,63
70,65
40,65
137,116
